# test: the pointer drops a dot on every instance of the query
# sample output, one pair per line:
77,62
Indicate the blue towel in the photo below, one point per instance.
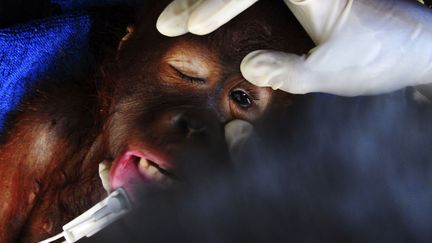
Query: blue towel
68,5
30,52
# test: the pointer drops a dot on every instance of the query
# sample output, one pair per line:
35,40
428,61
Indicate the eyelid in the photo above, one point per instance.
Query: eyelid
194,67
188,77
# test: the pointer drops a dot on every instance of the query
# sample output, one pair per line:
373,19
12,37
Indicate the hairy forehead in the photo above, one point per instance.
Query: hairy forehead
236,39
266,25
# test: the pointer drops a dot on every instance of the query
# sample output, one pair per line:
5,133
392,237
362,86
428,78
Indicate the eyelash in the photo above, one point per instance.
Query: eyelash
252,93
190,79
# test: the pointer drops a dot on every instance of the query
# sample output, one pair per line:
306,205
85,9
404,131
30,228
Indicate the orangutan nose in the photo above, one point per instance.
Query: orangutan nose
195,123
189,124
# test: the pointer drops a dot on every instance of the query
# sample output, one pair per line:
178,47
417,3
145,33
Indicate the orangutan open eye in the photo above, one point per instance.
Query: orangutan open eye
241,98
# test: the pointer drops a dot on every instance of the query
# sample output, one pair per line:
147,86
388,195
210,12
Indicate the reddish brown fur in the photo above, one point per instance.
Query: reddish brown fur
48,164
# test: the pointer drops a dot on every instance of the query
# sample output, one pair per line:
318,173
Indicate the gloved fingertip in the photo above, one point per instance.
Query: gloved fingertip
237,132
298,2
173,21
203,28
277,70
171,29
171,26
212,14
257,66
201,24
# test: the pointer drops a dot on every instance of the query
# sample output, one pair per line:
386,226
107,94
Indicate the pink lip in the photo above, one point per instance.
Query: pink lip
125,173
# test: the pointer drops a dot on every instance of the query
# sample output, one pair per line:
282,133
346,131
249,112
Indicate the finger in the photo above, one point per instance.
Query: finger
320,18
211,14
237,132
173,21
278,70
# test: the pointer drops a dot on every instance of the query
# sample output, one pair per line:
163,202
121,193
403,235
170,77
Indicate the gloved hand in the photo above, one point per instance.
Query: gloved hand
198,17
363,46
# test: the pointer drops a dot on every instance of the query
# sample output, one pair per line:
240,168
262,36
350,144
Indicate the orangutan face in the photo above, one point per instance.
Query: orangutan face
174,95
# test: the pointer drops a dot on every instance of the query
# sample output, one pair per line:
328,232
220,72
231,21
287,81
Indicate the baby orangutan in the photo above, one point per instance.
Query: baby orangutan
165,101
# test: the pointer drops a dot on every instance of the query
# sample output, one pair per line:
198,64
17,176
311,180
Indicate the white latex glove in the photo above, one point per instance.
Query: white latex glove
363,46
199,17
237,132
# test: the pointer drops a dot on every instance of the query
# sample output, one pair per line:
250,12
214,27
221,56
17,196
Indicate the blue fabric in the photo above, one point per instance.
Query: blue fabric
30,52
68,5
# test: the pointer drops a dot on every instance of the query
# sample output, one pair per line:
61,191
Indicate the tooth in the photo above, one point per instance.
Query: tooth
158,176
152,171
104,168
144,163
143,166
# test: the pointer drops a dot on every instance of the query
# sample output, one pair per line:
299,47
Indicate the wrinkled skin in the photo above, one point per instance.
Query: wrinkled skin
50,155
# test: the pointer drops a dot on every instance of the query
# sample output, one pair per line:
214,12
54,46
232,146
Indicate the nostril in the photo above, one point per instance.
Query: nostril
178,122
187,125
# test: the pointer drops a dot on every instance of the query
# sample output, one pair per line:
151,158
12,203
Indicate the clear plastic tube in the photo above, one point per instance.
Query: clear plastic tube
96,218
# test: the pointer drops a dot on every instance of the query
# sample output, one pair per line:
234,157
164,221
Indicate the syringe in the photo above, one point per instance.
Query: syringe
95,219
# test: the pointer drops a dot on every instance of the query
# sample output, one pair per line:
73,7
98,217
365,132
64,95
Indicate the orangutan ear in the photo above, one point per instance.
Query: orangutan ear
129,32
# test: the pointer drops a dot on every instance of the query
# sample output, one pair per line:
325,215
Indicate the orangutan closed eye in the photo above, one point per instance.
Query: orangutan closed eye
163,104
